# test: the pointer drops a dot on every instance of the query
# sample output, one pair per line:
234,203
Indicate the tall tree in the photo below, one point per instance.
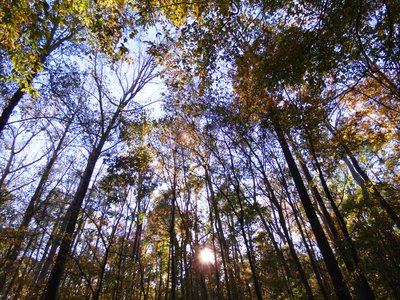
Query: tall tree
107,123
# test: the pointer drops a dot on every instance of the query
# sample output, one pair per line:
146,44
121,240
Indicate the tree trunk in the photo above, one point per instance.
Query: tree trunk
362,288
277,249
73,212
172,236
30,210
282,222
15,99
249,251
230,286
331,263
368,183
271,195
52,43
349,253
300,227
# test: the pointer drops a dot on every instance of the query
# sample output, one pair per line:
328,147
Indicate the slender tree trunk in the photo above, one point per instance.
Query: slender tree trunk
256,205
30,210
6,171
348,250
14,272
121,261
362,287
53,242
331,263
310,253
249,251
282,222
368,183
73,211
97,292
160,281
357,178
231,287
172,236
277,249
374,191
240,217
249,254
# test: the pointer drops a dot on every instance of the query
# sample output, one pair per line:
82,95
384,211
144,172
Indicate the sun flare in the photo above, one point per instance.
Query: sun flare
207,256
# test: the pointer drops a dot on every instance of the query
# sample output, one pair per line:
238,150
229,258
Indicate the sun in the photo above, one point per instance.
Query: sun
206,256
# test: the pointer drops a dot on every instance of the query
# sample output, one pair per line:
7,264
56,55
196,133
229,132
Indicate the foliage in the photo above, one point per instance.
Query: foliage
276,148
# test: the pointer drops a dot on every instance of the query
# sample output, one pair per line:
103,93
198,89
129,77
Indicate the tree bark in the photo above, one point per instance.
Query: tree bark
73,212
10,107
348,250
331,263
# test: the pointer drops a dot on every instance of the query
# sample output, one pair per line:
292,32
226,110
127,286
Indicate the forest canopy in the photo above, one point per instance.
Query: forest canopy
199,149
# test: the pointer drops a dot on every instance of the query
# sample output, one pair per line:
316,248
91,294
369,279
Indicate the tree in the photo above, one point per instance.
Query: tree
107,123
33,32
270,171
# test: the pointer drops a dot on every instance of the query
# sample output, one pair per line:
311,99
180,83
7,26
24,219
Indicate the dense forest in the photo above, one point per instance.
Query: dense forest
241,149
